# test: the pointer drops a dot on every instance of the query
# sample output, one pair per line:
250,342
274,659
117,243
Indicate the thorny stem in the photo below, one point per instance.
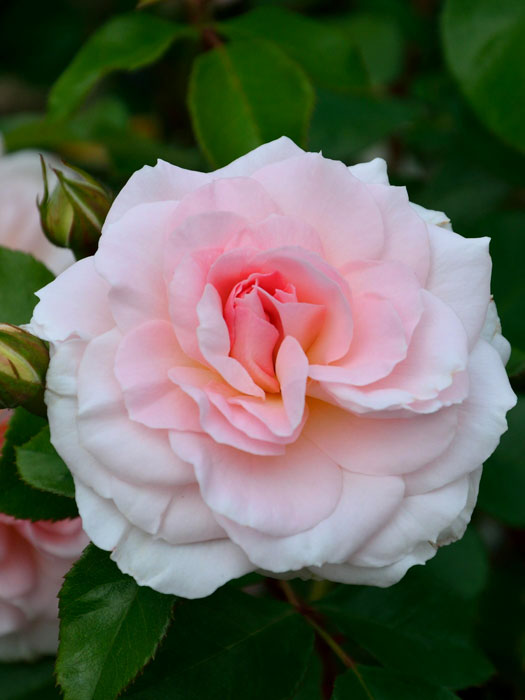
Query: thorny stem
327,638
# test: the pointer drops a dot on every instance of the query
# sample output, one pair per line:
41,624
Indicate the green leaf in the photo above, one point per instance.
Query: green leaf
484,47
229,645
126,42
16,497
105,123
502,621
23,681
20,277
378,39
109,628
378,684
516,363
418,627
503,481
343,125
462,566
324,53
40,466
465,191
310,687
244,94
507,246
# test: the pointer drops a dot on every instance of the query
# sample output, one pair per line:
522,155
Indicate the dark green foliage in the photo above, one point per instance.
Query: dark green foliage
20,277
325,53
28,681
229,99
229,645
16,496
40,466
124,43
370,683
417,627
485,48
503,482
109,628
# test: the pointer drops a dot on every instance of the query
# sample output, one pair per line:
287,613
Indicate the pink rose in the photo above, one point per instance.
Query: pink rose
20,184
278,366
34,556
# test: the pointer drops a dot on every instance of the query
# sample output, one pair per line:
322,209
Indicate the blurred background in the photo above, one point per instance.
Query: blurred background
435,88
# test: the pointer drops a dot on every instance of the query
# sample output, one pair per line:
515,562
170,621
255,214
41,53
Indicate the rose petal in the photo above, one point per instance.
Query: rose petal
214,343
378,344
142,363
380,446
481,422
141,456
419,519
391,281
324,194
188,519
187,570
366,504
225,422
406,236
188,268
279,495
372,173
429,367
319,284
460,276
278,231
240,195
131,258
102,519
62,313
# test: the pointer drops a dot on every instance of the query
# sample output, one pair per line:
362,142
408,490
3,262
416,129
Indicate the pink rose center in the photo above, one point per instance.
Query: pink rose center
259,312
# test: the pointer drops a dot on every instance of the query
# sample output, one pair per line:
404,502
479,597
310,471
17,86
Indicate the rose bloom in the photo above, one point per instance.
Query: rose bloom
34,556
21,183
279,366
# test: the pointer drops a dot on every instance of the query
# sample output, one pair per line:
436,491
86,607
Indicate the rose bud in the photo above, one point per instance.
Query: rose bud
20,229
34,557
73,213
24,359
280,366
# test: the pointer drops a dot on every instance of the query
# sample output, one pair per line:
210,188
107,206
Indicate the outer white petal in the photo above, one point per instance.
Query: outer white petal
102,520
271,152
421,518
188,570
460,276
381,576
130,257
481,422
387,572
129,451
491,332
166,182
431,216
366,504
74,304
372,173
62,409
